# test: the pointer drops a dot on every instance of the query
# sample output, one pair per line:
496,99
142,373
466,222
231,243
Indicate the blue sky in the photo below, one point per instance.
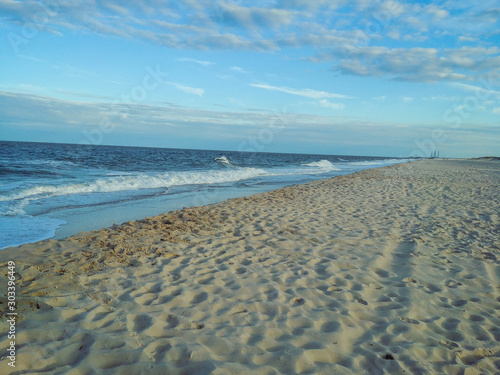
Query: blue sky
362,77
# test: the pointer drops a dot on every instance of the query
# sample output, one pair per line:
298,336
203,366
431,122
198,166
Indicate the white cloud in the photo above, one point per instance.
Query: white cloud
187,89
255,17
200,62
239,69
496,110
483,91
307,93
394,34
415,38
417,64
436,11
325,103
395,8
463,38
442,98
407,99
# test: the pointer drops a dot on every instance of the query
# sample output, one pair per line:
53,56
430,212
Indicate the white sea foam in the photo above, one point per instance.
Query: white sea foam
379,162
17,209
118,173
323,164
222,160
138,182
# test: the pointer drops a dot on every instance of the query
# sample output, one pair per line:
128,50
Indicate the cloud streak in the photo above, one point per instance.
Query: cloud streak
199,62
186,89
326,104
306,93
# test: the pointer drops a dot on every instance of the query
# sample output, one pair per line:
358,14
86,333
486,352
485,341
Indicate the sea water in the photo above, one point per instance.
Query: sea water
56,190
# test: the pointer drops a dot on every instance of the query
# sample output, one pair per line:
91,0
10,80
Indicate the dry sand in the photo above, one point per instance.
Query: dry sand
387,271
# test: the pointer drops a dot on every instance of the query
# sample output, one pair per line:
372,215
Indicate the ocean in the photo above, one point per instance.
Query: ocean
56,190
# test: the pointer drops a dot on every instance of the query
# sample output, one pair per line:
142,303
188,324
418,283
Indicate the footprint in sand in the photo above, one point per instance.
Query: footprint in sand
198,298
138,323
157,349
329,327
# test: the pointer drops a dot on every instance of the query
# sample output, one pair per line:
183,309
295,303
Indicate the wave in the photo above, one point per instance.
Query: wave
380,162
222,160
323,164
138,182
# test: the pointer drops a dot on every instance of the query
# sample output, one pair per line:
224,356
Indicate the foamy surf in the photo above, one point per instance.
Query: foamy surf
322,164
138,182
222,160
380,162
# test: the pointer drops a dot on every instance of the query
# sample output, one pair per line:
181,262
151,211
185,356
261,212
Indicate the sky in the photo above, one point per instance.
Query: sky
359,77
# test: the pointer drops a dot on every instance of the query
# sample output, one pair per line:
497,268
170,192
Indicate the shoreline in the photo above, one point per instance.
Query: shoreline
384,270
64,220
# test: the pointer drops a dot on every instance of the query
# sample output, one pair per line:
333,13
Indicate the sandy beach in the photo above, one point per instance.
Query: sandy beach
393,270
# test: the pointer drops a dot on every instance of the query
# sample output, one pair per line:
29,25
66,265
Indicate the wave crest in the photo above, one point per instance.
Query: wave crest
138,182
323,164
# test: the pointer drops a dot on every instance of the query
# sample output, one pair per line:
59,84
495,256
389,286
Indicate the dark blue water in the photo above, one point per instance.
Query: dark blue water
49,190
